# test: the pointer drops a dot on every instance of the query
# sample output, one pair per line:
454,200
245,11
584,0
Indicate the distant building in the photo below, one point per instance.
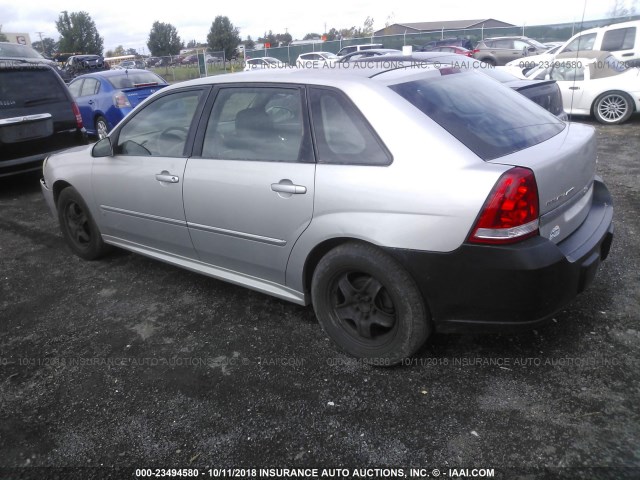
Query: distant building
21,38
420,27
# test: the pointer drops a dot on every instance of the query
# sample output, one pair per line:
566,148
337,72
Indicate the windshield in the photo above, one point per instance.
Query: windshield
18,51
491,120
329,56
271,61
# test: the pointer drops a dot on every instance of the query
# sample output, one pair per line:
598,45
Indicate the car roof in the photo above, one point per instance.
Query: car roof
112,73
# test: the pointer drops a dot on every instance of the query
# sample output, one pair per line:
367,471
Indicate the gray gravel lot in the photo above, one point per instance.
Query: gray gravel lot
128,362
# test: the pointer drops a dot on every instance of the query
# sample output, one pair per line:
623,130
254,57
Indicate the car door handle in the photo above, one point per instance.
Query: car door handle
288,188
627,54
574,88
167,177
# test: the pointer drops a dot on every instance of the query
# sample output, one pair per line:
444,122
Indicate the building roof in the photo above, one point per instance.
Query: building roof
448,25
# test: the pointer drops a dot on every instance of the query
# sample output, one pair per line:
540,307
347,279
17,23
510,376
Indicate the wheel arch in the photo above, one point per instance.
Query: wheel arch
58,187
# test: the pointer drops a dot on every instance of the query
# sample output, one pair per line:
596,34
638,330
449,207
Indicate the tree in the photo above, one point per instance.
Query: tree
78,33
249,44
332,35
284,39
366,30
164,40
620,9
47,46
223,36
192,44
311,36
131,51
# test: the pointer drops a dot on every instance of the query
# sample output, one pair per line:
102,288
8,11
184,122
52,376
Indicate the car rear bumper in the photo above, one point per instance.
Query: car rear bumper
478,287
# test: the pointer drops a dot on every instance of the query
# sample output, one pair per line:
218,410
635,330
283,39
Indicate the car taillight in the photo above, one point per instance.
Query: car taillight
76,112
475,50
120,100
510,213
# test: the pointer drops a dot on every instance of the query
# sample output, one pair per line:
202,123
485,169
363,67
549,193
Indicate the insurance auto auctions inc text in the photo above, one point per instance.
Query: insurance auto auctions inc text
368,473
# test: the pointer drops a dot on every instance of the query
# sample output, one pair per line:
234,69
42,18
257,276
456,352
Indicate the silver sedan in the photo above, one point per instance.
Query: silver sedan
397,201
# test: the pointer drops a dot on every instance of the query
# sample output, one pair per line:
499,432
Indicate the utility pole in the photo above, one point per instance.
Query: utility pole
41,42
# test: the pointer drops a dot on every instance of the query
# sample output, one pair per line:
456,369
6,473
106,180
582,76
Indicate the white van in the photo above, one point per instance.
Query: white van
621,39
356,48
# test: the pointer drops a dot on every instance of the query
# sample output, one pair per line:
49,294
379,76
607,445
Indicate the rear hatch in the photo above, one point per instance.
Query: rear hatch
36,113
564,167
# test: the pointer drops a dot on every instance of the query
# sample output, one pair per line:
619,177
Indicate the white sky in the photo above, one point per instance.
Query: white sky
128,23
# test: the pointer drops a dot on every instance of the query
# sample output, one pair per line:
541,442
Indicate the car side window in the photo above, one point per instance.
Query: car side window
502,44
75,87
567,72
161,128
343,136
619,39
583,42
256,123
90,87
520,45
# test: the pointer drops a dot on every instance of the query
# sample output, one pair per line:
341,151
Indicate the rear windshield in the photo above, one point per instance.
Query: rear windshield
490,119
131,79
43,88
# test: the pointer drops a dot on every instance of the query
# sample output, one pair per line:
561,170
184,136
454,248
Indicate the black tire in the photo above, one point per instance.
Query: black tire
102,128
612,108
78,227
369,305
489,61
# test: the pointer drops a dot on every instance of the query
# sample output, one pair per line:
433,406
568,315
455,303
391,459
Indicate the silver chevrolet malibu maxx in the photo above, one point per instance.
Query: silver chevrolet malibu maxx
396,200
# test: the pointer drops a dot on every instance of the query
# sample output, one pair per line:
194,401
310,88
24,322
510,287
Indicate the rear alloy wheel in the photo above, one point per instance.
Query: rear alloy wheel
101,127
78,227
369,305
612,108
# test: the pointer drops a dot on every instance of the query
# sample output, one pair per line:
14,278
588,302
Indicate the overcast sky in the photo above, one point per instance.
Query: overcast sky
128,23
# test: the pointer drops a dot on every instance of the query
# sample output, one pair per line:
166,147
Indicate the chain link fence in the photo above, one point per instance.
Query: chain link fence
543,33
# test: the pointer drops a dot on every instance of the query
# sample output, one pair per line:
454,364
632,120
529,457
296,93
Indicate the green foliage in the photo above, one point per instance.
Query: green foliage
223,36
164,40
48,46
249,43
78,33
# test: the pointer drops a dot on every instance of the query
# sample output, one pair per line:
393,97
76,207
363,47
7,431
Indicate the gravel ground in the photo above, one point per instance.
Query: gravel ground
128,363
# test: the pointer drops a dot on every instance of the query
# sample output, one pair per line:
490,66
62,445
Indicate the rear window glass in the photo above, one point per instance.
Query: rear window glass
491,120
133,79
26,88
619,39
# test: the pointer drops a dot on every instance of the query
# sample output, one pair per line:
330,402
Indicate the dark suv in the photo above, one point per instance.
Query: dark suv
37,116
81,64
445,42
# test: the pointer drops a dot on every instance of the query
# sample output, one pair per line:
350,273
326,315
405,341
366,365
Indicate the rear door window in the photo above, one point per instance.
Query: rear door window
619,39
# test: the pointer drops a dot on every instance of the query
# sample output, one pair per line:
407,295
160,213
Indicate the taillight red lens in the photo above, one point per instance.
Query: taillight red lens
76,112
120,100
510,213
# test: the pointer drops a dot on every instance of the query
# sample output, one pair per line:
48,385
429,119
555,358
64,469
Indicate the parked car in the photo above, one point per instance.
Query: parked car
263,62
80,64
374,52
316,59
315,186
152,61
190,60
622,40
501,50
524,64
453,49
357,48
38,116
16,51
445,42
595,83
126,64
105,98
543,92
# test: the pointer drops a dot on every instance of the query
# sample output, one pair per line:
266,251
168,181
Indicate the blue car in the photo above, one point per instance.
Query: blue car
105,98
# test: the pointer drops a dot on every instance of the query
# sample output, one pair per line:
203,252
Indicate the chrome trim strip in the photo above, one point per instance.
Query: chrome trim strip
232,233
145,216
24,119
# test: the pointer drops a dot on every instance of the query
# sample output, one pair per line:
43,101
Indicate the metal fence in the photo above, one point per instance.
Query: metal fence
543,33
199,63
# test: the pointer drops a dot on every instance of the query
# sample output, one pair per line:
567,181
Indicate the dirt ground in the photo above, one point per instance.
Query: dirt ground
127,363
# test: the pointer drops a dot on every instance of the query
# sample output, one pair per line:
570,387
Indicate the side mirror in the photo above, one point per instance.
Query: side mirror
102,148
